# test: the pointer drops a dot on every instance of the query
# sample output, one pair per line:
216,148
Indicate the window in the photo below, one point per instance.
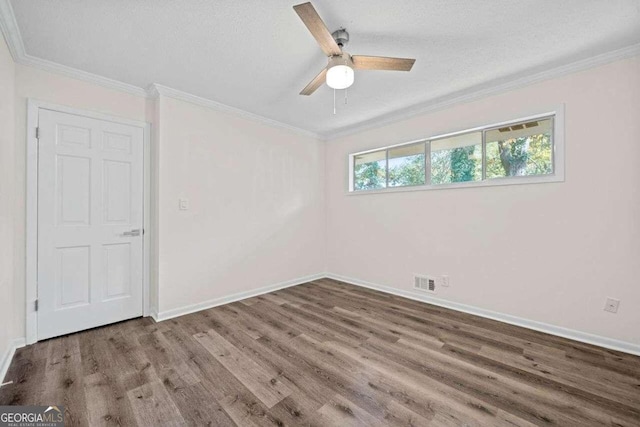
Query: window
456,159
370,171
516,152
407,165
523,149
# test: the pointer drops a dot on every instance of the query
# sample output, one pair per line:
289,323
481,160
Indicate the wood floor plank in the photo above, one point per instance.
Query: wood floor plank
349,322
493,326
298,411
275,365
591,373
256,324
107,401
460,333
466,409
129,360
339,411
153,406
25,376
491,386
309,327
547,373
94,352
236,400
198,406
326,322
580,403
168,366
265,387
273,299
63,380
326,353
334,373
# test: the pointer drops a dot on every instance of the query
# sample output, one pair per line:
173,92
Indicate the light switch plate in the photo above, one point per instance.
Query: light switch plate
612,305
183,204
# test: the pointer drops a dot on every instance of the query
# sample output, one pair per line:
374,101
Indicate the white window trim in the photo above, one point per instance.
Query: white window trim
558,174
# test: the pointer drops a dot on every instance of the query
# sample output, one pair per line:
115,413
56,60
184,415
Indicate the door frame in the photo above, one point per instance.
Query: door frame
33,110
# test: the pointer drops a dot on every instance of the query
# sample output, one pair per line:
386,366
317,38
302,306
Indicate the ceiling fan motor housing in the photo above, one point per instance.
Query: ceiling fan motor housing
341,37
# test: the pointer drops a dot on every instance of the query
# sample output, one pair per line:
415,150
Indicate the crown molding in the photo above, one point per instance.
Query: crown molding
10,30
106,82
11,33
152,90
484,90
157,89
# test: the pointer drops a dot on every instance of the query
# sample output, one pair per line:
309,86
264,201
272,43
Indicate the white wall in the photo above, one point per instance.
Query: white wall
7,139
256,205
546,252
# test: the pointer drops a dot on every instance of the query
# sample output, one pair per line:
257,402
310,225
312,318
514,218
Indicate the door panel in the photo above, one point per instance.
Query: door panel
90,195
117,263
117,142
116,192
73,136
73,190
72,276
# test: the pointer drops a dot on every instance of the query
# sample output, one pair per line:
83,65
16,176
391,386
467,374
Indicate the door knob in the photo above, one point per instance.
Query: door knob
132,233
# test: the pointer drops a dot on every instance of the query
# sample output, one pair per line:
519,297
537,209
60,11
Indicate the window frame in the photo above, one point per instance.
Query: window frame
557,158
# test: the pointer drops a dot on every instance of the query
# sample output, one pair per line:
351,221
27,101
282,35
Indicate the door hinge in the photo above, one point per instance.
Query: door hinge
37,133
36,304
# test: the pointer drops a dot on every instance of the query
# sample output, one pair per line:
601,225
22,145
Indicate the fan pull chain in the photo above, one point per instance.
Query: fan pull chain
345,96
334,102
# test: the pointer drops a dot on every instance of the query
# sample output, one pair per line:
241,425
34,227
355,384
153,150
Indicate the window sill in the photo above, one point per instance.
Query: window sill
487,183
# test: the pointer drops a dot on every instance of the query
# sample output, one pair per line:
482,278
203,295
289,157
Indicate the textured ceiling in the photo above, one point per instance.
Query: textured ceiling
257,55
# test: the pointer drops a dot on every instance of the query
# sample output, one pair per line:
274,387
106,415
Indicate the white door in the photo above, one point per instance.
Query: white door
90,218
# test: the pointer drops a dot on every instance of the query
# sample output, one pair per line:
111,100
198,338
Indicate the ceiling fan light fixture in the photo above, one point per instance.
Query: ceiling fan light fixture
340,74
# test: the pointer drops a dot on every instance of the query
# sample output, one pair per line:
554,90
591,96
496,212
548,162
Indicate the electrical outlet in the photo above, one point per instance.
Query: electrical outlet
444,281
612,305
183,204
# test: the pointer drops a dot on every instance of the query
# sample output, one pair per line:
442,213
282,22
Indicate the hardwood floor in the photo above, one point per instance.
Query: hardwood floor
326,353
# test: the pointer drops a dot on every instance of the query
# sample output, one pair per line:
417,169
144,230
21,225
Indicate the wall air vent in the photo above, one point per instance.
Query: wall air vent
425,283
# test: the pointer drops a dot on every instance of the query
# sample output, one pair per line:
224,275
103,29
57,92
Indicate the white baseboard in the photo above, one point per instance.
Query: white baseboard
159,316
7,357
572,334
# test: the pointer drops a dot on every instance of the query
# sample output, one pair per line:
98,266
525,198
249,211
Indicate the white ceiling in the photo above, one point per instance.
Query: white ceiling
257,55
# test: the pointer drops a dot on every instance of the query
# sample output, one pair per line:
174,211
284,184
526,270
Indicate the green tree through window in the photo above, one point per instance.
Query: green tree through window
529,155
369,176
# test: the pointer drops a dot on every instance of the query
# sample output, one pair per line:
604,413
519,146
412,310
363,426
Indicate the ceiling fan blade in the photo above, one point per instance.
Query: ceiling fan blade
361,62
318,29
315,83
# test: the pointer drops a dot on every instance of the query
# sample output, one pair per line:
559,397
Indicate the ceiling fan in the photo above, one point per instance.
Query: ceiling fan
339,71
